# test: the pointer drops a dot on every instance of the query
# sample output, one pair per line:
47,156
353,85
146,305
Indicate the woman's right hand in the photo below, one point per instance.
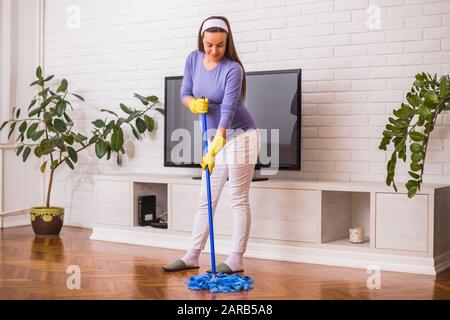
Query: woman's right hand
198,105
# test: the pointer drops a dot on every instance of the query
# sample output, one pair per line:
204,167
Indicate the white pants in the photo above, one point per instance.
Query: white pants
236,161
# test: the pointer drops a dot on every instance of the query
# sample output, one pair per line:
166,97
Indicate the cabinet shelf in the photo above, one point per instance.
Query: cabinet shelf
150,229
145,189
342,210
346,242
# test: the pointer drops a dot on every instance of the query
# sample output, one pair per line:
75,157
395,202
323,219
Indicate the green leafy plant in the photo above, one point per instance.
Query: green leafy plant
48,131
411,126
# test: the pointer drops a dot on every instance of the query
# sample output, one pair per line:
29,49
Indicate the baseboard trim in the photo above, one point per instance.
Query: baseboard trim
442,262
408,264
15,218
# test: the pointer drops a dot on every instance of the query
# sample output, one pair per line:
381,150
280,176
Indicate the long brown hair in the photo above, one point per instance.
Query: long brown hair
230,51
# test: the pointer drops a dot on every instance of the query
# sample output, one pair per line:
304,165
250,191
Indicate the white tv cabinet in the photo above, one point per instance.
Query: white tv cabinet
292,220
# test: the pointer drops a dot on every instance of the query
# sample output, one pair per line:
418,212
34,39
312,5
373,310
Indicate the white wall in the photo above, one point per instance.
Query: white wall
352,77
19,48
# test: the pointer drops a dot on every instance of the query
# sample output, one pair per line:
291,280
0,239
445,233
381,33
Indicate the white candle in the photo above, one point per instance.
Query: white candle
356,234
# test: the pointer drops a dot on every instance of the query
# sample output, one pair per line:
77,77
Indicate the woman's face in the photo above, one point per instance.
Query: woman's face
215,44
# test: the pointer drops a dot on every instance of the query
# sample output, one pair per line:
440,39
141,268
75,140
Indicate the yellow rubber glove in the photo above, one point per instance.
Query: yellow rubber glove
213,148
198,105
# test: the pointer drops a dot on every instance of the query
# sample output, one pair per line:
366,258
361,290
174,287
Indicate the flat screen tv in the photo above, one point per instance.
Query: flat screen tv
273,99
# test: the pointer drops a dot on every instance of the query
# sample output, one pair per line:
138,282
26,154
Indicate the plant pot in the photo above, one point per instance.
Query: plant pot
47,221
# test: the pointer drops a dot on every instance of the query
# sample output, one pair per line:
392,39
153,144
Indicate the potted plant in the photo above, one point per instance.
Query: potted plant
411,125
48,132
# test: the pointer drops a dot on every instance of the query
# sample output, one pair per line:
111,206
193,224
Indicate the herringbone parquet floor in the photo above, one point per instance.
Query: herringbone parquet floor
35,268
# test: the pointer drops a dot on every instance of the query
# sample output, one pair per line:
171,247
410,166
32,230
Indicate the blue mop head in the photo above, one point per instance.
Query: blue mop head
222,282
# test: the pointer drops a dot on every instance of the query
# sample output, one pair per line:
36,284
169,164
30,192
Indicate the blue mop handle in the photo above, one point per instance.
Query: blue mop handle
208,191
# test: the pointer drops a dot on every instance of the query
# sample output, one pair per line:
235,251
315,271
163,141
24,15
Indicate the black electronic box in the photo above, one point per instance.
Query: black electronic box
147,210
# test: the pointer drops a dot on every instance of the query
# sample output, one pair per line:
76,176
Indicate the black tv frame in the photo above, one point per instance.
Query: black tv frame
258,166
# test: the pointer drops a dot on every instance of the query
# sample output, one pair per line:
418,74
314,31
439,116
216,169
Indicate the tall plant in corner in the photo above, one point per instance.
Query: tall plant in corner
411,125
48,132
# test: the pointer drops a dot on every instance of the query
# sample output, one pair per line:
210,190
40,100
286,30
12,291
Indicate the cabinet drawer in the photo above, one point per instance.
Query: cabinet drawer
401,223
115,202
184,205
280,214
284,214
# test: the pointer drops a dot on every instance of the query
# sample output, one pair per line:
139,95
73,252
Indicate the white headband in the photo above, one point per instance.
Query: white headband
214,23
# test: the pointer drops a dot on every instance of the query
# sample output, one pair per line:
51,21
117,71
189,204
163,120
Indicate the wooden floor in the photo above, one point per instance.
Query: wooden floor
35,268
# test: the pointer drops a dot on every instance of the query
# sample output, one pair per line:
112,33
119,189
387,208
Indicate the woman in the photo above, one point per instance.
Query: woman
215,72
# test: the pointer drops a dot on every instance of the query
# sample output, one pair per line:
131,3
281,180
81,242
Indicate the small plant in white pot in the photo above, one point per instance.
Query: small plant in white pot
47,132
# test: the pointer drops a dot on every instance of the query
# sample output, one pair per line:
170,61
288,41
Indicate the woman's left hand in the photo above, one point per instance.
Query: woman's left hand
216,145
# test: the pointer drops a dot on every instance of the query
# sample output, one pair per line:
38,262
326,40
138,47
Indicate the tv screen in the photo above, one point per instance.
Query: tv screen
273,99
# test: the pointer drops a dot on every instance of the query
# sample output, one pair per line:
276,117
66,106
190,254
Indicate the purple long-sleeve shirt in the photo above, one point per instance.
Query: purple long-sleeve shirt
223,88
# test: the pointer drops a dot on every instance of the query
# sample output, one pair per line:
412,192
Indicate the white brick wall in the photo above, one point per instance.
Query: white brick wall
352,77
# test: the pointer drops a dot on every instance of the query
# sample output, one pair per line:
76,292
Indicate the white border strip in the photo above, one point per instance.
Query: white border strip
5,75
339,258
16,222
6,27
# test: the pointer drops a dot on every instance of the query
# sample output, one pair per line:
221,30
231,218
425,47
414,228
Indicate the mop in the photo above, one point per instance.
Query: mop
216,282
